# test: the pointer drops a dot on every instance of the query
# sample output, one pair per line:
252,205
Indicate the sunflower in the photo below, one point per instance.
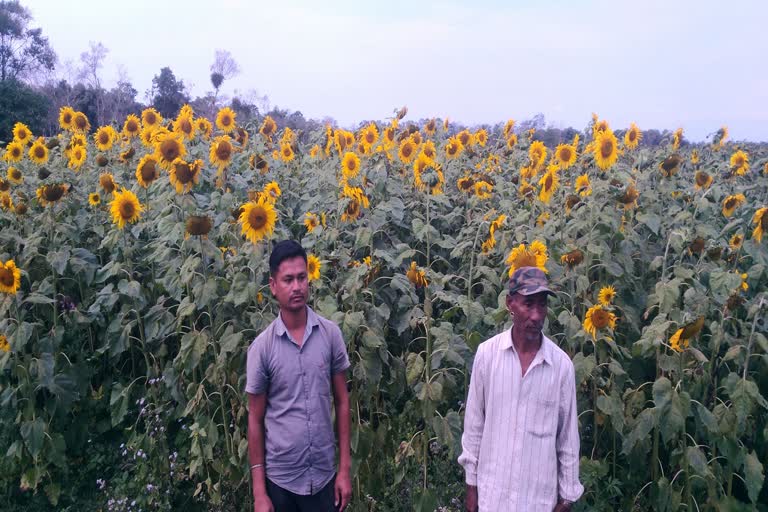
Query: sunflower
542,218
286,152
80,123
488,245
131,126
107,182
368,136
677,138
453,148
94,199
572,258
671,165
534,255
14,152
187,111
147,171
686,333
66,118
732,202
151,118
5,186
481,137
388,138
259,162
483,189
537,153
508,127
720,137
606,150
407,151
241,137
77,157
416,276
225,120
760,220
415,136
22,134
125,207
314,151
198,225
565,155
497,223
570,202
351,211
431,127
313,267
695,157
598,317
465,137
258,219
350,165
599,126
168,147
606,295
428,150
51,194
736,241
739,163
184,125
526,190
548,184
268,127
466,184
511,141
10,277
38,153
184,175
311,221
702,180
204,127
6,202
4,345
105,137
272,191
20,209
582,185
221,151
14,176
633,136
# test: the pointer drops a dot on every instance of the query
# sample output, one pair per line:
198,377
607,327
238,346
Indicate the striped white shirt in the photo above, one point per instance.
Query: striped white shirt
520,445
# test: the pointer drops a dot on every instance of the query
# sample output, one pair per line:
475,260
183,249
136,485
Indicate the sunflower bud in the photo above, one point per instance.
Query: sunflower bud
102,161
21,209
43,173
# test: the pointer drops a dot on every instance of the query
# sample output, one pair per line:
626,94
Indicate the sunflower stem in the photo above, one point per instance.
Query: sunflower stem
751,338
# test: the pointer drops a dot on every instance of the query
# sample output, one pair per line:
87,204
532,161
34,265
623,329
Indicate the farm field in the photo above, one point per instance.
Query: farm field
133,277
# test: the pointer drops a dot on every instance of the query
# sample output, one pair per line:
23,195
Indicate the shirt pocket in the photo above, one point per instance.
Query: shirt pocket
322,377
542,418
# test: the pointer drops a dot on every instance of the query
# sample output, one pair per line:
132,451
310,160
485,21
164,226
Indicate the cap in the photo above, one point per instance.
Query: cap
529,280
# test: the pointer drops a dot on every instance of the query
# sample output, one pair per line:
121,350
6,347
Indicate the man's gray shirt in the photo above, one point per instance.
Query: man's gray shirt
299,435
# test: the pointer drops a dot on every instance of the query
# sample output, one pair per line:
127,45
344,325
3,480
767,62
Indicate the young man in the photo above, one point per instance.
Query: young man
293,367
521,438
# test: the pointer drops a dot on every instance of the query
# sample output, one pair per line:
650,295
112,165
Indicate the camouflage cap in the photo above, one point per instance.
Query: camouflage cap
529,280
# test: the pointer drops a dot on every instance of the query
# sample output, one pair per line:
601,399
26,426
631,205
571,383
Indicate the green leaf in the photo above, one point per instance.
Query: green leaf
193,345
584,365
118,403
651,220
753,475
58,260
32,433
642,427
414,365
698,461
130,288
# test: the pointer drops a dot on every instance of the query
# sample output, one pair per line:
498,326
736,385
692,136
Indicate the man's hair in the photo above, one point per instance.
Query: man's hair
284,250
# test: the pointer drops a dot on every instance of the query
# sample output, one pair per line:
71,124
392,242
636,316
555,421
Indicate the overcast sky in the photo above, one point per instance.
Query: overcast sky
659,63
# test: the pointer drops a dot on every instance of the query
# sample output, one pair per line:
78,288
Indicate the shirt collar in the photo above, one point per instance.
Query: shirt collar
281,329
545,351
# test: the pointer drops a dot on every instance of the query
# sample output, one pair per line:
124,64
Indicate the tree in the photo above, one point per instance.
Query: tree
168,94
23,50
91,62
19,102
223,68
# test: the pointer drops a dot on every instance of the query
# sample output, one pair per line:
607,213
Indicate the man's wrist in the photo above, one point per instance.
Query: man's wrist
565,503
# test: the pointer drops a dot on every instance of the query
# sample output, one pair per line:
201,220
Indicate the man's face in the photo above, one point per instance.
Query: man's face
529,313
289,285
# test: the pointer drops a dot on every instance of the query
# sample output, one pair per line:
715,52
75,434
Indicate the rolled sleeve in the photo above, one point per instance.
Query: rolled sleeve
256,378
474,421
339,357
568,485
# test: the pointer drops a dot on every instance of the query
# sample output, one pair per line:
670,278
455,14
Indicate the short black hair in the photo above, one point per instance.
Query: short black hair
284,250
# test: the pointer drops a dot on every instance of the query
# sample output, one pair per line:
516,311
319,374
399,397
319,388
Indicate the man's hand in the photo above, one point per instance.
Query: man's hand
562,507
470,501
262,504
342,490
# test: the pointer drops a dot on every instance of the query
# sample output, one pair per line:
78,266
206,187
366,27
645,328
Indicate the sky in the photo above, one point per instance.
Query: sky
659,63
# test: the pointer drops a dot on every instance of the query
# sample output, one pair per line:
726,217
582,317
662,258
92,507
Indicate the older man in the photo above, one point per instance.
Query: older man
520,447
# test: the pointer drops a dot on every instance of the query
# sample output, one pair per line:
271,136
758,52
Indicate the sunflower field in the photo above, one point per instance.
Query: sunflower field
133,277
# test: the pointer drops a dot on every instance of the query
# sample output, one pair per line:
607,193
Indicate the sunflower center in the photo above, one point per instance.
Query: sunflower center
186,126
67,118
548,182
53,193
127,209
6,277
15,174
600,318
730,203
565,154
632,135
16,152
103,138
226,120
184,173
81,122
131,126
148,171
224,150
257,218
39,152
150,118
170,150
606,148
